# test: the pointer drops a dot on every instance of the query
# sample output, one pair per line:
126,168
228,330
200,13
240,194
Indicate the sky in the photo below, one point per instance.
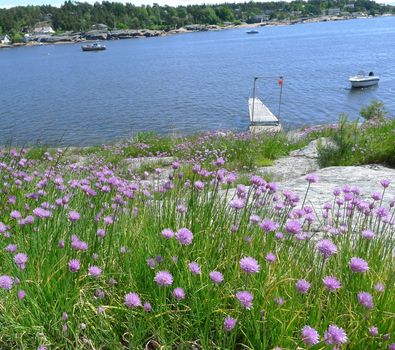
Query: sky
12,3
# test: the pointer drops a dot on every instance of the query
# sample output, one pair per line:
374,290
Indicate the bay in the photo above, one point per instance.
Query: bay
181,84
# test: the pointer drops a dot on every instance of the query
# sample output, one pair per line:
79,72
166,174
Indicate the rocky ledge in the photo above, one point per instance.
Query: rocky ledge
110,35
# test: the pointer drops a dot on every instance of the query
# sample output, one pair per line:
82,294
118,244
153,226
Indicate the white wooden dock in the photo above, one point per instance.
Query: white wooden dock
261,118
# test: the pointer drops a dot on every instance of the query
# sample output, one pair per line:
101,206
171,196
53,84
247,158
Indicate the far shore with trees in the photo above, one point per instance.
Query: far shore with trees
73,17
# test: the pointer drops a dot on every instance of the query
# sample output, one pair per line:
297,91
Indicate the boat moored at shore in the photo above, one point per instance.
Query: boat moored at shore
252,31
362,80
93,47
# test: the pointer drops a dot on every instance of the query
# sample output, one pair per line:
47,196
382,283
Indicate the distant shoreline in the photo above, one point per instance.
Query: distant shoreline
82,37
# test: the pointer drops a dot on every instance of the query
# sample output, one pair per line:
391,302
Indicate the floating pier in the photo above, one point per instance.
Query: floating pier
261,118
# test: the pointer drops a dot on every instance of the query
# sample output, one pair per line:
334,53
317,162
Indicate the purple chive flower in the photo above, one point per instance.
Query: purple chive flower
270,257
199,185
6,282
335,335
147,307
311,178
151,263
245,299
358,265
167,233
94,271
220,161
42,213
42,347
21,294
236,203
108,220
74,265
385,183
181,208
184,236
269,225
65,316
367,234
326,248
294,227
373,331
175,165
194,268
74,216
365,299
379,287
254,219
331,283
310,336
11,248
392,346
216,277
61,243
3,228
101,232
302,286
163,278
376,196
21,260
279,301
15,214
249,265
132,300
179,293
229,324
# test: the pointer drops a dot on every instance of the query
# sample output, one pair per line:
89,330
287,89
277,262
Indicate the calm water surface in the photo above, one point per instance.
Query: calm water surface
192,82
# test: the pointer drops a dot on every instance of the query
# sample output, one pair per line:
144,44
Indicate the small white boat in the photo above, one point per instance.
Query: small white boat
252,31
93,47
362,80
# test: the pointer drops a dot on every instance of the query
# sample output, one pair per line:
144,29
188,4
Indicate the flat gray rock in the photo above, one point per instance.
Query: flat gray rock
289,167
300,162
311,150
366,177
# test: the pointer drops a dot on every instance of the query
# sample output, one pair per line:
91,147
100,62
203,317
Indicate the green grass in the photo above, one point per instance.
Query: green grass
197,321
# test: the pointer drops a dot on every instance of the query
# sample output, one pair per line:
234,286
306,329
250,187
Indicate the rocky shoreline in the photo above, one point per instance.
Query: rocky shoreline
94,35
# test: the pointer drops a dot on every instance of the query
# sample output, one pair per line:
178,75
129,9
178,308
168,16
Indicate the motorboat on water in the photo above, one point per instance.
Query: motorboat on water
252,31
362,80
93,47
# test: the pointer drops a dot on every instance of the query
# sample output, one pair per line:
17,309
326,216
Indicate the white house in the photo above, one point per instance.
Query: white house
333,12
43,30
5,39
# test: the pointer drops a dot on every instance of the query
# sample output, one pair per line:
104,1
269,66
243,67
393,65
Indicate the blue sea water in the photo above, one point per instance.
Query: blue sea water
192,82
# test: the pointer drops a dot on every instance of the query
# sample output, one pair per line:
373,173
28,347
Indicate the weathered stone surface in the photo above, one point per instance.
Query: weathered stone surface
289,167
366,177
134,163
311,150
300,162
95,35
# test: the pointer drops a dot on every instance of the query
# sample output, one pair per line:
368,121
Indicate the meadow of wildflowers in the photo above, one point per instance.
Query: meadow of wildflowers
93,257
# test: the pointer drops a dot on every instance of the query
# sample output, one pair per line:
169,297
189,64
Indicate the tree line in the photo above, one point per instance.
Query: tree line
80,16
